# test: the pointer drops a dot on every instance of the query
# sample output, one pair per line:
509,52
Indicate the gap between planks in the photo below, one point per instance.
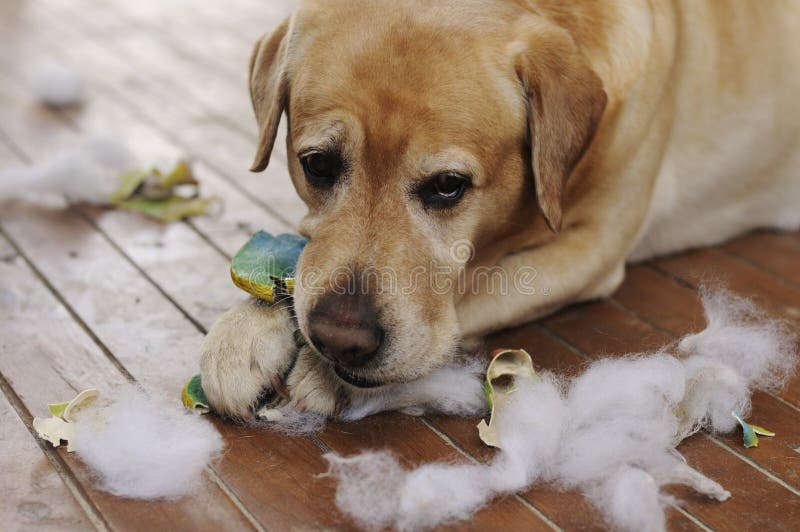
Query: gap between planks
55,460
15,401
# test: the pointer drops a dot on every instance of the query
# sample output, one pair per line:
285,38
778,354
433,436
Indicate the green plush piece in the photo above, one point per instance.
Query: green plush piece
266,264
193,396
166,197
264,267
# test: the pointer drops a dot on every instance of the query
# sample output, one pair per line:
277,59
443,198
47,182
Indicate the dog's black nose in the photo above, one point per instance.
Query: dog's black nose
345,329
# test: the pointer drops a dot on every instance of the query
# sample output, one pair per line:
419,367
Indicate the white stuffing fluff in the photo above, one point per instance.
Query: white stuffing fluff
57,85
610,432
87,172
456,390
142,448
293,422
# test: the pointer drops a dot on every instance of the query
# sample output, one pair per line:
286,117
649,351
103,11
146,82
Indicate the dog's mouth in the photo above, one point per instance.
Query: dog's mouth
356,380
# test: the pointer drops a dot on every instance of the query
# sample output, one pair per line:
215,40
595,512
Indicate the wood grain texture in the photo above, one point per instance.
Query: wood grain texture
51,363
604,329
32,494
125,296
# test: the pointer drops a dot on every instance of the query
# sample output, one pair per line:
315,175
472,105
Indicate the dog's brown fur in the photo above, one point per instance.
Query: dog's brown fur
565,114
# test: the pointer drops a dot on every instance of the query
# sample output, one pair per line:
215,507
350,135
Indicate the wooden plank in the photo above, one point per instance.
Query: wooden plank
669,306
774,252
279,478
710,265
603,329
163,102
44,364
755,504
32,494
220,95
47,357
128,316
234,466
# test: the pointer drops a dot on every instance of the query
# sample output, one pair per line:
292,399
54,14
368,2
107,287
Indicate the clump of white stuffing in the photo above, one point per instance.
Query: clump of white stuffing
143,448
57,85
455,390
88,172
610,432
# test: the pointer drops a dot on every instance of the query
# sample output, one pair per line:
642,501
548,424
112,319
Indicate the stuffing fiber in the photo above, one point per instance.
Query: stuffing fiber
86,172
142,448
456,390
57,85
610,432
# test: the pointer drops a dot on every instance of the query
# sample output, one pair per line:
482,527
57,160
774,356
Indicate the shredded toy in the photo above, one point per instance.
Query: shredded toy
167,197
193,397
505,369
265,266
61,427
750,432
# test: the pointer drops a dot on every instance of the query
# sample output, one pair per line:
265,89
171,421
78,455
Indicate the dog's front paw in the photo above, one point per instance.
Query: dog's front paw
246,358
313,386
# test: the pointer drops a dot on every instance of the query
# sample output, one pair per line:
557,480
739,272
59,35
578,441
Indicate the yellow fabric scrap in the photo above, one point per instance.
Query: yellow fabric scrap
505,368
61,427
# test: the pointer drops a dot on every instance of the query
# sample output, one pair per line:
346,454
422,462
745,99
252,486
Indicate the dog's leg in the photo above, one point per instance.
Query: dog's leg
578,265
246,357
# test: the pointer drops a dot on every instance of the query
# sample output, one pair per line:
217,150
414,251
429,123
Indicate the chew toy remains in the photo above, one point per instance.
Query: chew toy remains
751,432
266,264
506,368
167,197
193,396
264,267
61,427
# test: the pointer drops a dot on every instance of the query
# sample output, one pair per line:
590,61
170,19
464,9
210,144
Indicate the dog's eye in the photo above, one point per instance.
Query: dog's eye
444,190
322,168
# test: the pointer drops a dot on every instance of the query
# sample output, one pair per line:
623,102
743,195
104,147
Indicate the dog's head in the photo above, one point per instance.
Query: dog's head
421,136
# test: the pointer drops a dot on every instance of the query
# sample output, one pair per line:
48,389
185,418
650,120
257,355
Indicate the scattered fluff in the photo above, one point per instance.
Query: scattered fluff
57,85
610,432
86,172
293,422
146,449
455,390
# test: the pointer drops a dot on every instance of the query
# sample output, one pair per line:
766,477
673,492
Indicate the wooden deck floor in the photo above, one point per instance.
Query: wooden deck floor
94,298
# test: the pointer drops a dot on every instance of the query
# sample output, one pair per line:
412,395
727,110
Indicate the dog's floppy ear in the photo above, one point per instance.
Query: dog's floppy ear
269,89
566,102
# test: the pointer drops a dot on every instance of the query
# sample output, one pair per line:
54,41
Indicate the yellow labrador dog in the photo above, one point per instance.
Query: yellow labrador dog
470,165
